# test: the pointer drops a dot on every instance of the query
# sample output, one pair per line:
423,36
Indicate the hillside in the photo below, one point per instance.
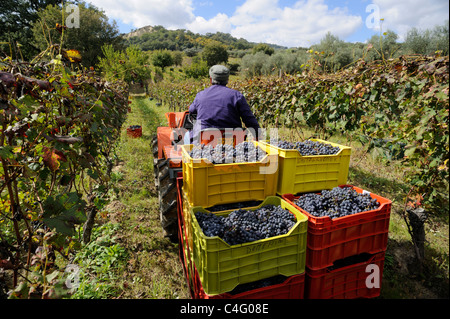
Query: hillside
151,38
138,32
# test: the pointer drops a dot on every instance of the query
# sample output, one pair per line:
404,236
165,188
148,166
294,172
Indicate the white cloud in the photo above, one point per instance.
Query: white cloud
402,15
171,14
221,23
301,25
255,20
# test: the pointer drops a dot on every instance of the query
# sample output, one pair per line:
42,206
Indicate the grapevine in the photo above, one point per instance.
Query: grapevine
58,127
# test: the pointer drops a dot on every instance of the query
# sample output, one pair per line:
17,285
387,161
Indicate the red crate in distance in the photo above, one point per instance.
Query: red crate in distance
329,239
359,280
134,131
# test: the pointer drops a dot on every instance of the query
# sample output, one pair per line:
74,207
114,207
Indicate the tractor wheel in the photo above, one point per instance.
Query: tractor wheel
167,191
156,161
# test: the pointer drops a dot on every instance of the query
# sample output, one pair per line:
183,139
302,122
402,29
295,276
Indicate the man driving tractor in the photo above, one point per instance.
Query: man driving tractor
221,107
217,108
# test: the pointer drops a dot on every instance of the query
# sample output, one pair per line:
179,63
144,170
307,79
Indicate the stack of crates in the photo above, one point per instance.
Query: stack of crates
216,270
344,252
345,255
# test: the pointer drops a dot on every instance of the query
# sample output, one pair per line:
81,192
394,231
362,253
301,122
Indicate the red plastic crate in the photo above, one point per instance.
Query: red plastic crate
329,239
134,132
349,282
292,288
183,252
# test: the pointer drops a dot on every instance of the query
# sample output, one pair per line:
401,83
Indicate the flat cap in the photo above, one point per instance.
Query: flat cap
219,73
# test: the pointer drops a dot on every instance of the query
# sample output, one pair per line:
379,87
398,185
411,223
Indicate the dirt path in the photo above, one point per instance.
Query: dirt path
154,269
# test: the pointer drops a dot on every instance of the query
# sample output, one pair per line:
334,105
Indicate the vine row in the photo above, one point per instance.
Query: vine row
58,126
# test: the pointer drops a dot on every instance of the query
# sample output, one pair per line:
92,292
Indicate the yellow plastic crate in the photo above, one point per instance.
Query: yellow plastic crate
301,174
222,267
187,220
208,184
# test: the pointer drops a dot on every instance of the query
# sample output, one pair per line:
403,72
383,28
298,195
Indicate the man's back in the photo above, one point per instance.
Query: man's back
221,107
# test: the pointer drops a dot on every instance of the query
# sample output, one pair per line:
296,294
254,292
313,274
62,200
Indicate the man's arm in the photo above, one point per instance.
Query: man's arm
193,108
247,115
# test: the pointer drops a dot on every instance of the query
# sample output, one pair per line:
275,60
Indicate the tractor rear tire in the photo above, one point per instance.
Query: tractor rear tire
156,161
167,192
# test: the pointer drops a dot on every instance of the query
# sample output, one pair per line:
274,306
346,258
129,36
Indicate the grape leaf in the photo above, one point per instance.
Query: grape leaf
63,212
6,152
52,158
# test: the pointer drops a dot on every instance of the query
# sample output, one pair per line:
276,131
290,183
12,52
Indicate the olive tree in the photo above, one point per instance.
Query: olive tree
215,54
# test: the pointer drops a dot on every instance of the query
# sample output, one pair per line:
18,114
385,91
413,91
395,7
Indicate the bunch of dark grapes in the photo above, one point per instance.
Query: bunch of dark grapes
308,147
211,224
337,202
248,152
242,226
284,145
225,153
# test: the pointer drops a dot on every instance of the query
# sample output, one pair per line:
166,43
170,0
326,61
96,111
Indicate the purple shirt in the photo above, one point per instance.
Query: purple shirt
221,107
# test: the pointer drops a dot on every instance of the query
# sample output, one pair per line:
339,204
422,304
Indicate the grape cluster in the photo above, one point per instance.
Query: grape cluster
242,226
337,202
225,153
211,224
308,147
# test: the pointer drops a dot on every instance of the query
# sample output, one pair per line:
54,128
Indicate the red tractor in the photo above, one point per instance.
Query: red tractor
167,165
167,162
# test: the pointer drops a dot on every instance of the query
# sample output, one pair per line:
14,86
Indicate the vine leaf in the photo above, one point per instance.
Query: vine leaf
73,56
6,152
63,212
52,158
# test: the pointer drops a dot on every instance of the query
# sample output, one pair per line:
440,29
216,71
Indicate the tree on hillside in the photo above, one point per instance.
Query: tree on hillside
94,32
427,41
264,48
191,52
215,54
197,69
336,53
162,59
417,41
253,64
16,24
177,58
284,61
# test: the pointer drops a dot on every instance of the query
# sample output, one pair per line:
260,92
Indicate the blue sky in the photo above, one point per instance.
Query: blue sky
290,23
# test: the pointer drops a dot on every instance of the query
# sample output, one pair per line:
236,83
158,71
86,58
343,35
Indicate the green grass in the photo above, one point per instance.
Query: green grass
100,264
153,269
